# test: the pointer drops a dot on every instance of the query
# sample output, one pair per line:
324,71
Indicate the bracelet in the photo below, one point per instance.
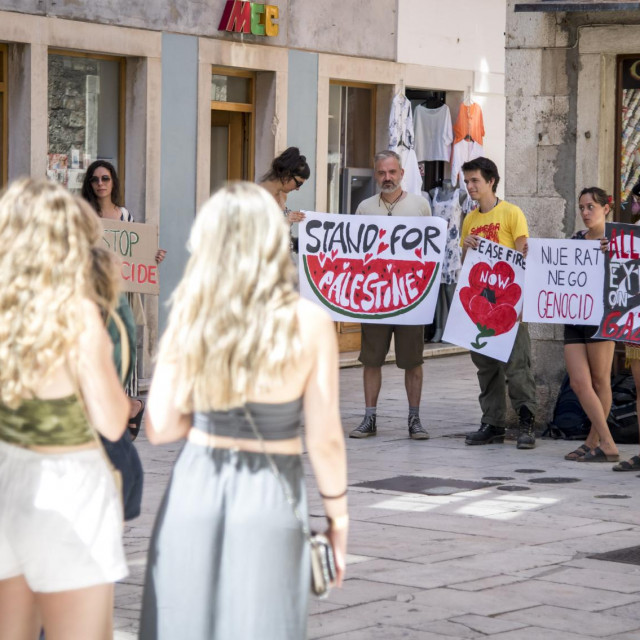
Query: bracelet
340,495
338,523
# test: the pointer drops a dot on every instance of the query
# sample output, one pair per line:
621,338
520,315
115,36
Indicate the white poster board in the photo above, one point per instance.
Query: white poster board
487,302
372,269
563,281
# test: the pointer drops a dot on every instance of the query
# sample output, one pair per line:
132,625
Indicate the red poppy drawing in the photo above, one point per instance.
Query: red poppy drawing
490,300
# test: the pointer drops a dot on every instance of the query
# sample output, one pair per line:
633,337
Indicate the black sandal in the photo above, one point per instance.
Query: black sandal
135,422
580,452
598,455
633,464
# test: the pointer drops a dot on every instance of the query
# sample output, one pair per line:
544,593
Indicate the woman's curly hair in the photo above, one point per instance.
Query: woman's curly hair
46,237
233,328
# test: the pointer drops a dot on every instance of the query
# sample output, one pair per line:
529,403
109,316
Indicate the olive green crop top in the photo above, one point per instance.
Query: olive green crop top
50,422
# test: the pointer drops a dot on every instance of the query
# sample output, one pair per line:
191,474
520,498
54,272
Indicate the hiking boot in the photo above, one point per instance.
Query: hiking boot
486,434
416,430
526,430
366,428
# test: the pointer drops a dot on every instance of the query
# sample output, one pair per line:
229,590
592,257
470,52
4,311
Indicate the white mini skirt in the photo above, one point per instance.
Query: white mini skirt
60,519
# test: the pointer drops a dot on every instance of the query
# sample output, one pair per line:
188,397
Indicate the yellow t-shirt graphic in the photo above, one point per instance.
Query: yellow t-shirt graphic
503,224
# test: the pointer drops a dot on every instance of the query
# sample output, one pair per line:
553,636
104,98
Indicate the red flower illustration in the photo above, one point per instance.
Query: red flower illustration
490,299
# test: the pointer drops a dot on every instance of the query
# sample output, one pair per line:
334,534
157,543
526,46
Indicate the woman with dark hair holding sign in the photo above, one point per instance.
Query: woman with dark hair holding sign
588,359
101,189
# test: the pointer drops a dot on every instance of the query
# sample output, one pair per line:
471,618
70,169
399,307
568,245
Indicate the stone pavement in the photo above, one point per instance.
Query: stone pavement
510,565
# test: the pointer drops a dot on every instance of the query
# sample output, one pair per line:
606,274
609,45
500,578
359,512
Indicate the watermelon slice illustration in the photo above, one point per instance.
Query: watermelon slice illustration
372,290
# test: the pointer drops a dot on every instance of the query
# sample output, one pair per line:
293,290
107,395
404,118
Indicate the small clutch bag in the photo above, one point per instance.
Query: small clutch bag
323,565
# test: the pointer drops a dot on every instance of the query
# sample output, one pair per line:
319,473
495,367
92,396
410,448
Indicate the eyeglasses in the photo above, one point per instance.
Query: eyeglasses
298,183
97,179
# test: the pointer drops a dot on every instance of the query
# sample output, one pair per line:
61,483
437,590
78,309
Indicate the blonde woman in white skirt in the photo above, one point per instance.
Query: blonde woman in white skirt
60,513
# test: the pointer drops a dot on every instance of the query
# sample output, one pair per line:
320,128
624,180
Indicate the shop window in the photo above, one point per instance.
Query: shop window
3,115
627,173
86,115
232,126
350,146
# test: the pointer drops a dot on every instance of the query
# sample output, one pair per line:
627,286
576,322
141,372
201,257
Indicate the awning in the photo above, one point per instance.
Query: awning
577,5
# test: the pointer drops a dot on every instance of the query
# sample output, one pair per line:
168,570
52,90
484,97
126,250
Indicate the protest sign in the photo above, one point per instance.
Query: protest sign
372,269
621,294
485,308
136,246
563,281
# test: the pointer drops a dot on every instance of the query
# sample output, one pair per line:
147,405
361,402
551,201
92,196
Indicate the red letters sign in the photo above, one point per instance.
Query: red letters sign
250,17
136,246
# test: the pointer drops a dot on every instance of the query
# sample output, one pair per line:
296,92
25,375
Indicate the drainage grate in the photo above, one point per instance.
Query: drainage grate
424,485
512,487
613,496
630,555
554,480
529,471
501,478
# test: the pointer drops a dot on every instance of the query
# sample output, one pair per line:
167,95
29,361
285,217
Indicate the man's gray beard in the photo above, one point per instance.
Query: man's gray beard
389,189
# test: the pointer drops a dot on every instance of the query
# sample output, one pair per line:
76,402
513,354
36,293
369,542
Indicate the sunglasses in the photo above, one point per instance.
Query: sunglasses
298,183
97,179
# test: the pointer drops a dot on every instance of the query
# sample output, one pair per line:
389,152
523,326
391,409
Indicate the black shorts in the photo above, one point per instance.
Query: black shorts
580,333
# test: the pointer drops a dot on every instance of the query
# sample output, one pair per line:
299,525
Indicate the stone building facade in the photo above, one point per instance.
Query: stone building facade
563,113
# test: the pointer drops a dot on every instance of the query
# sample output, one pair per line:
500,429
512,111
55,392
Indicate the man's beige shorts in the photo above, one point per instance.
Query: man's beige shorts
376,339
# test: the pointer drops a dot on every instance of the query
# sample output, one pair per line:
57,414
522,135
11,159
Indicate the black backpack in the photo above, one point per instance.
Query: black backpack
569,421
623,419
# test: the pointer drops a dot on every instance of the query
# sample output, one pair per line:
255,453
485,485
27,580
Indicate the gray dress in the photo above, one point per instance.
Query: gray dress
227,558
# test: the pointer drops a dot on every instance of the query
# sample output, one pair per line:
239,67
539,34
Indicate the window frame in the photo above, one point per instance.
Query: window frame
122,60
4,92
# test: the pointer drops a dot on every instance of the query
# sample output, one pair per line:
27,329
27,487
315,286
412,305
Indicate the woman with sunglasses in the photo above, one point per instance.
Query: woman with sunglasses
101,189
288,172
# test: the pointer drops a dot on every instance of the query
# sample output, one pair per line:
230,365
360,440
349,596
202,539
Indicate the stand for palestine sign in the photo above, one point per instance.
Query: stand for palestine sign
372,269
621,317
135,245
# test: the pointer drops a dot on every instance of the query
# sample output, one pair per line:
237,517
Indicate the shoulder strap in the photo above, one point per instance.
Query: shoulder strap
125,349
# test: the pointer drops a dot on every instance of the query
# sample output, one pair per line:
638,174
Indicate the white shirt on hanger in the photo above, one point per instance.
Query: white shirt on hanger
463,151
433,133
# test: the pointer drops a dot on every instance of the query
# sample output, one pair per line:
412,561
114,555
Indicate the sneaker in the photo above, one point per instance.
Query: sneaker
526,430
416,430
486,434
366,428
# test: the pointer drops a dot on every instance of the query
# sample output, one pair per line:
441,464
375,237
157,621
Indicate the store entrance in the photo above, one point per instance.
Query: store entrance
232,126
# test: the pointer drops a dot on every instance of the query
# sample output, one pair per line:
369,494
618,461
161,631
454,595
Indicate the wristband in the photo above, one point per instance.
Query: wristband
338,523
340,495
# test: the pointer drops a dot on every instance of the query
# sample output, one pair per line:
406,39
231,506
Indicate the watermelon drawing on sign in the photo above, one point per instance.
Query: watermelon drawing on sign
369,289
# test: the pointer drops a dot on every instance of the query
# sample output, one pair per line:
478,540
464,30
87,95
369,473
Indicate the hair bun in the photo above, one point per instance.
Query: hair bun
302,159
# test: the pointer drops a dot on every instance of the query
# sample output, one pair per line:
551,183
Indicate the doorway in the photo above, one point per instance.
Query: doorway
232,126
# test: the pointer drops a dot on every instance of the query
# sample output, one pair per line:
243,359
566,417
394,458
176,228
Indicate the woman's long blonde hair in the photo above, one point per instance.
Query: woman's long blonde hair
233,326
46,235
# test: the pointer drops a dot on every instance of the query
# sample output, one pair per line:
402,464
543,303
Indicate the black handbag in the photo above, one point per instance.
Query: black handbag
123,455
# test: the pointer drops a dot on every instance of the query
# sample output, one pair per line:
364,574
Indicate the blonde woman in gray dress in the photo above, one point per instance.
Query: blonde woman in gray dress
228,558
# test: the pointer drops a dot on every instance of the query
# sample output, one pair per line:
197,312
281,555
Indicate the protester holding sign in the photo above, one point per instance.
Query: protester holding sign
376,338
588,359
101,189
504,224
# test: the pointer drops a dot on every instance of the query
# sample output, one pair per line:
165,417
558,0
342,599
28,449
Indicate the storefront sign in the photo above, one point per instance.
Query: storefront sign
250,17
488,299
621,317
373,269
563,281
136,246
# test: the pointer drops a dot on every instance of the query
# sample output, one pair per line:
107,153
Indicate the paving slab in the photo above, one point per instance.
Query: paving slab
482,563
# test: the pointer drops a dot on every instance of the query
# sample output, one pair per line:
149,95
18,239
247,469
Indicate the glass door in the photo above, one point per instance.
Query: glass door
232,126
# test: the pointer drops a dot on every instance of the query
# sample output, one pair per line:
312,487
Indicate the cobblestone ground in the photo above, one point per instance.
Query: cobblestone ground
510,565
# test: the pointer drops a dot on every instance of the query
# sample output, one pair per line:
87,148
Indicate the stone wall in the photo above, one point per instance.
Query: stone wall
548,155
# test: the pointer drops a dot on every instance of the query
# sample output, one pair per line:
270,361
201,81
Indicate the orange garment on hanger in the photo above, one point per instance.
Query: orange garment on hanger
469,123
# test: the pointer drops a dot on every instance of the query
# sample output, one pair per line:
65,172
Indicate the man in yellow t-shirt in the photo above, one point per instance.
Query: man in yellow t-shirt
504,223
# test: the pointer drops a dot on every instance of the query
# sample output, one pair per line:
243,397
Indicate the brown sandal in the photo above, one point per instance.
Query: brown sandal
580,452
